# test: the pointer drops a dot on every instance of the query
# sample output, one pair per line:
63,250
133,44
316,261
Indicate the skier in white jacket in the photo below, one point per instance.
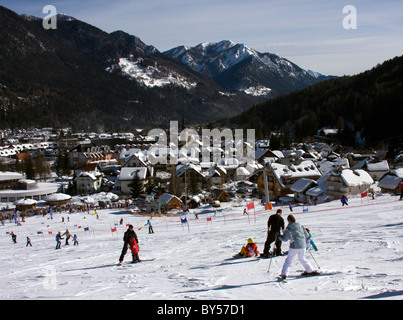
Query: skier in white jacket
297,236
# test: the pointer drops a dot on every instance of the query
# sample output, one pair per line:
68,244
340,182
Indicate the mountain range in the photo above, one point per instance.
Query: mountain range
80,76
237,67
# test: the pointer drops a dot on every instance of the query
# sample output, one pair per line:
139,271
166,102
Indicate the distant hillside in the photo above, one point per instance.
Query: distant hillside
81,76
368,105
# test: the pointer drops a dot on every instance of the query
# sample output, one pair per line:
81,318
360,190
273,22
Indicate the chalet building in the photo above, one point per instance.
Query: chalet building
347,182
389,183
281,177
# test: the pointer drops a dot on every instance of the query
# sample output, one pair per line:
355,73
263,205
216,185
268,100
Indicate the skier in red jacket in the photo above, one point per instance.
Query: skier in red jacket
249,250
134,247
401,189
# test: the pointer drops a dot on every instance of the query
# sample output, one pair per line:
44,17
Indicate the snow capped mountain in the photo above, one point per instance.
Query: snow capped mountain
152,75
237,67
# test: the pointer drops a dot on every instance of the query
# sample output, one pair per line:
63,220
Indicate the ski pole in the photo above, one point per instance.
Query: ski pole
313,258
268,270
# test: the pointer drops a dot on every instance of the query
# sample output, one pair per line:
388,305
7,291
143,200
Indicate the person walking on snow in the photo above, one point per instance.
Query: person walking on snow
274,225
150,226
129,234
297,235
29,242
13,237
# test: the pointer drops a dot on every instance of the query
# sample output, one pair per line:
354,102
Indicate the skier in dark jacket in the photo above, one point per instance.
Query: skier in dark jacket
129,234
274,225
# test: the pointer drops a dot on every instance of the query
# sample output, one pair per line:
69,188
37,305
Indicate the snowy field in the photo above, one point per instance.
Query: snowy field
360,252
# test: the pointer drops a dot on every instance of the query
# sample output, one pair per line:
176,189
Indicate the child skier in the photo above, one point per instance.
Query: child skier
75,240
13,237
29,242
134,247
58,240
250,250
344,200
309,241
150,226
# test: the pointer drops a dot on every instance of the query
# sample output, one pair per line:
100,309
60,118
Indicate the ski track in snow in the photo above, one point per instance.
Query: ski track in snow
360,254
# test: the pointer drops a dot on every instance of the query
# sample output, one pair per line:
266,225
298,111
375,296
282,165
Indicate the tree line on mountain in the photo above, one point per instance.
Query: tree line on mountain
366,108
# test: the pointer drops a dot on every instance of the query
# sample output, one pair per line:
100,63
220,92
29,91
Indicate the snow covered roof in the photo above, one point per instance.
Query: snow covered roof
57,197
128,173
7,175
378,166
25,202
317,191
167,197
306,169
389,182
302,184
356,178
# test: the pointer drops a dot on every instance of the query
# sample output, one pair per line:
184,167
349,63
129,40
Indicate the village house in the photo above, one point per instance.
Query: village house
127,174
347,182
88,181
281,177
375,169
84,154
300,187
169,201
389,183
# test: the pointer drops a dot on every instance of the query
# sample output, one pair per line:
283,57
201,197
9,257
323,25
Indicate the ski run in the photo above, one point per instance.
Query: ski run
360,255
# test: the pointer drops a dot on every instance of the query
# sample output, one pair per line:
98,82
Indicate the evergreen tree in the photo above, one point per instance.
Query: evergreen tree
136,186
194,183
29,168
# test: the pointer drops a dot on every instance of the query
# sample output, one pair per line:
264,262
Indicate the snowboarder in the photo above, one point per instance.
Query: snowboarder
250,250
58,240
134,248
344,200
297,235
274,225
29,242
401,189
13,237
309,241
126,241
150,226
75,239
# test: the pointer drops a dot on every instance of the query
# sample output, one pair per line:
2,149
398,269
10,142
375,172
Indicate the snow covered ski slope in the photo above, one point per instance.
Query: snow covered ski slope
360,255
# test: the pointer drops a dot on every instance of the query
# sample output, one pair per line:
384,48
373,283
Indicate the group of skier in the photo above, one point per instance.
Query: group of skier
299,237
59,238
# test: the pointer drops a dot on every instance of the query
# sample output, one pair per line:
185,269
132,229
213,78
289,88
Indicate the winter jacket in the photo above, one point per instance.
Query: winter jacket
296,234
401,185
249,251
134,247
275,223
128,235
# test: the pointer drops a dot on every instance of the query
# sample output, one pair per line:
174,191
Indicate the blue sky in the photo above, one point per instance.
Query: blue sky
307,32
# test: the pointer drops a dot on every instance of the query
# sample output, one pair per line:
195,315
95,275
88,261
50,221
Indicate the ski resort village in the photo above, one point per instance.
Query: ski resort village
81,192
